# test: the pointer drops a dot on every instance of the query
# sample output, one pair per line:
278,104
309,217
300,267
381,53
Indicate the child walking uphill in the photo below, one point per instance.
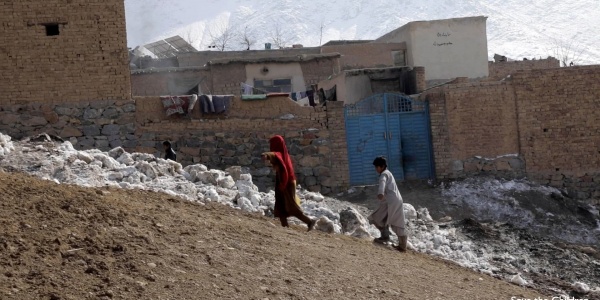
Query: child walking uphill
287,203
390,211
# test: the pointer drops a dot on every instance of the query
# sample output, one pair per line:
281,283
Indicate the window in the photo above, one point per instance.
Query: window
274,86
52,29
399,58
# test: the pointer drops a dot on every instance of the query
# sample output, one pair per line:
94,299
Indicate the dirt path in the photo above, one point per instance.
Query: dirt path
66,242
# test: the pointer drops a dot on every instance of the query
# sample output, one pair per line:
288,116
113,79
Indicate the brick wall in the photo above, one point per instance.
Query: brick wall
158,82
88,60
549,117
226,78
560,126
315,137
319,69
499,70
365,55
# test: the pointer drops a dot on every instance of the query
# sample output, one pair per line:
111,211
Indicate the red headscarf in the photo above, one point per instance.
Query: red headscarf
277,144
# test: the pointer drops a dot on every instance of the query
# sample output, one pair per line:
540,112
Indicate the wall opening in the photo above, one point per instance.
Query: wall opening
52,29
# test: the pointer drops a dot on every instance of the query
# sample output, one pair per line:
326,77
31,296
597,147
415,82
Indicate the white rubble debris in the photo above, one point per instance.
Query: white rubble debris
581,287
6,145
234,187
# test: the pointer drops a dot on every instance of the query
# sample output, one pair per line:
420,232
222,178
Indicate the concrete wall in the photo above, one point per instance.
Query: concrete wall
446,48
541,123
365,55
291,71
88,60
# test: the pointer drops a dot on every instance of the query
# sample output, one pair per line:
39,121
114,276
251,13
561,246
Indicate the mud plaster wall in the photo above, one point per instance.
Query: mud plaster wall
158,83
549,117
315,137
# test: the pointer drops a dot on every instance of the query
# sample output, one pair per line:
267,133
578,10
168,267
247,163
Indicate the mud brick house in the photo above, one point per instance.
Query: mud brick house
65,71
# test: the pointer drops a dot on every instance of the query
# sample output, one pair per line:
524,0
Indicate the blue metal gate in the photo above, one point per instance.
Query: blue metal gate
390,125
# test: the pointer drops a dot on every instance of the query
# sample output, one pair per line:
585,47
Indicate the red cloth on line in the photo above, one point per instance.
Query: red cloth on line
277,144
175,104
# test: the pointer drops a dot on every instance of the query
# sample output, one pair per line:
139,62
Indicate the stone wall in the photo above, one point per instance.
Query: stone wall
102,124
315,138
548,117
499,70
87,59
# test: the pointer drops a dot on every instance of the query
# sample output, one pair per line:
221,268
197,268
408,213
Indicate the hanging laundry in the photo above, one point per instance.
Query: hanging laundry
221,103
193,101
311,97
331,94
207,104
175,104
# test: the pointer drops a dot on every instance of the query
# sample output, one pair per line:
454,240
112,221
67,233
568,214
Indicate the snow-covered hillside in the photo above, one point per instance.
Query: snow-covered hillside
516,28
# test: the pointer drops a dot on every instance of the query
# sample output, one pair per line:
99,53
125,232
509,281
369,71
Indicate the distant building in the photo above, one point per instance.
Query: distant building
447,48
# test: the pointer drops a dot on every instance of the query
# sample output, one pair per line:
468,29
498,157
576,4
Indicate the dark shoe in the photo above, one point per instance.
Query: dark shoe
382,240
402,241
311,225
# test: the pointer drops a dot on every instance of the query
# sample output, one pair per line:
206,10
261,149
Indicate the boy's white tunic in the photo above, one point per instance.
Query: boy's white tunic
390,211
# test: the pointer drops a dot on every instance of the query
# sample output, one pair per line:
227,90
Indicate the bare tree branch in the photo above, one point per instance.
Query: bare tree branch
222,36
568,52
247,38
280,37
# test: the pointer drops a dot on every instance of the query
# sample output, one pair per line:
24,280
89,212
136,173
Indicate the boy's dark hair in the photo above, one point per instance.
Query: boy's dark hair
380,161
167,143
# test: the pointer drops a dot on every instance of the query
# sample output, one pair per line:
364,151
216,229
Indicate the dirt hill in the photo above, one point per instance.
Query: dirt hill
67,242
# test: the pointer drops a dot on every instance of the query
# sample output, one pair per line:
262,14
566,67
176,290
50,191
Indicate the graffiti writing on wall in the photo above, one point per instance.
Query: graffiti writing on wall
443,35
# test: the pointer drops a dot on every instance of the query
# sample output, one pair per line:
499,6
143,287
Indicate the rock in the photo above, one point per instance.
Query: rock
69,131
129,107
91,130
353,222
235,172
314,197
51,117
84,156
517,279
423,214
581,287
9,119
226,182
102,144
310,181
409,211
91,113
115,143
116,152
111,130
310,161
34,121
325,225
110,113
